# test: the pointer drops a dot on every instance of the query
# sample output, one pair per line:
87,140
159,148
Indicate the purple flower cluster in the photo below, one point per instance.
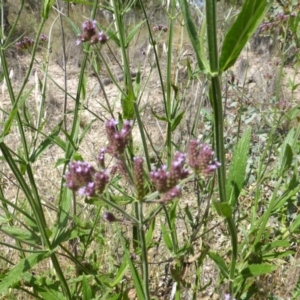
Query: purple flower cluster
43,38
200,158
280,18
24,44
109,217
81,177
166,182
283,105
160,27
27,43
174,192
118,140
91,34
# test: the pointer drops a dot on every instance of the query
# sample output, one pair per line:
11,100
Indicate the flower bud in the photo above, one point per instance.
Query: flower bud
118,140
170,195
101,158
138,177
79,174
101,179
91,34
109,217
200,158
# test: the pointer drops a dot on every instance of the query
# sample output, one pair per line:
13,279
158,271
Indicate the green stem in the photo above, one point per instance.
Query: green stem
168,87
153,43
216,98
144,251
129,97
172,230
43,92
12,29
143,137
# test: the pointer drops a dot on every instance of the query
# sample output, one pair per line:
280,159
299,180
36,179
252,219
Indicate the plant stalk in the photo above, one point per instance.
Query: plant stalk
216,98
144,251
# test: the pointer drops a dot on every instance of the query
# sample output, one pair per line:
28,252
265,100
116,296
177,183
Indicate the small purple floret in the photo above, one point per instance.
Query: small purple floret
118,140
109,217
166,182
90,34
81,177
200,158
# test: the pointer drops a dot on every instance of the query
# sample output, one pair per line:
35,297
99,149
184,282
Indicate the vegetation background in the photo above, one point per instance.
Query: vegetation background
93,206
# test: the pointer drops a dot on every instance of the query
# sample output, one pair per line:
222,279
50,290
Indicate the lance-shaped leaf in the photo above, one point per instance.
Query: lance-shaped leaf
241,31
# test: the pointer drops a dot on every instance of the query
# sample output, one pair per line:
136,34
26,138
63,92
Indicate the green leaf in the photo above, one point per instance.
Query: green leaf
137,281
67,234
166,238
21,235
60,143
282,200
18,175
44,145
173,214
86,289
202,48
78,279
14,111
22,162
74,27
149,232
295,226
287,159
220,262
270,256
68,136
59,231
83,86
286,152
241,31
192,32
223,209
47,4
16,273
237,170
85,130
257,270
133,32
127,102
177,121
48,291
119,276
137,83
61,161
189,215
30,221
276,244
4,220
160,118
117,297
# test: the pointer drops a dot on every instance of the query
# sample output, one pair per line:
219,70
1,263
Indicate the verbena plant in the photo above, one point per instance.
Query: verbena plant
133,199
